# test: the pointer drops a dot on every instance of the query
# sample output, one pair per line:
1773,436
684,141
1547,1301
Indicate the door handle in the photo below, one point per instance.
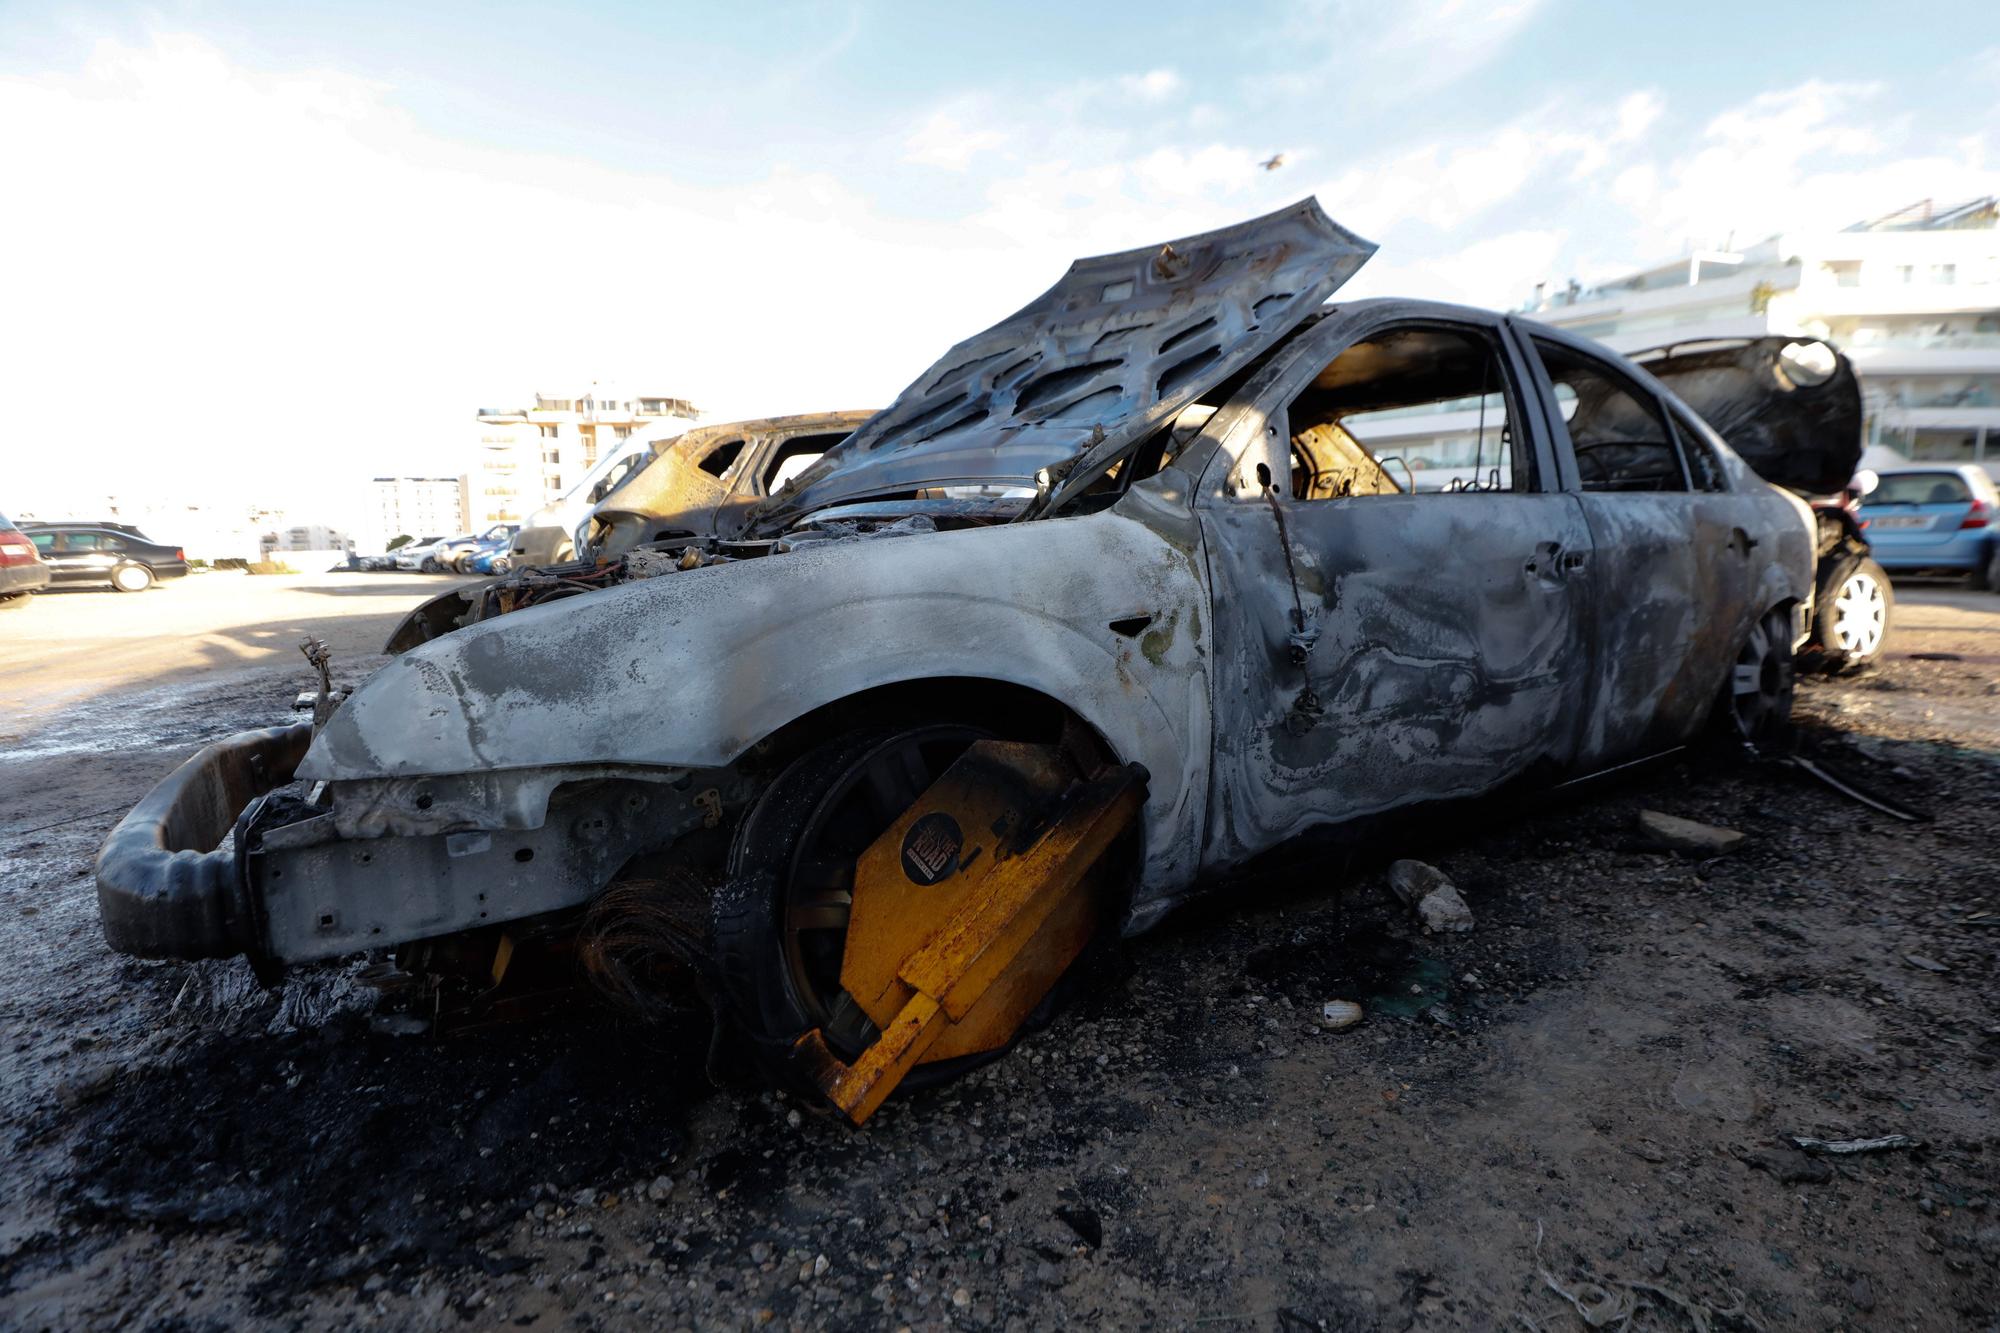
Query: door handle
1552,564
1741,542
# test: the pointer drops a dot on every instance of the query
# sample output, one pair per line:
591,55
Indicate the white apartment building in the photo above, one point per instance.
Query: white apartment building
1913,298
413,507
527,457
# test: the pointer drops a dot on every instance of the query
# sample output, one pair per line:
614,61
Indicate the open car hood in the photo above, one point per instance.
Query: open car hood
1110,353
1791,407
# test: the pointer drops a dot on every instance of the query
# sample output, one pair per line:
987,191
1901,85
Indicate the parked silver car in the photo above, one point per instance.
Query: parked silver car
1223,562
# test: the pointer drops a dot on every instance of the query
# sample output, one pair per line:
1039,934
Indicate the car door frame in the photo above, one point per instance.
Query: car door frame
1635,713
1243,434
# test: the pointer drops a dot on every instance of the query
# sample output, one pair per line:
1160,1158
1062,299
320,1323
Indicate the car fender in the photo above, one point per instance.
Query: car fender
692,668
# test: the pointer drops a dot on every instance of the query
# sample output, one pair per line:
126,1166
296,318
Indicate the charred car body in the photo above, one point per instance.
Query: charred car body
1217,616
1791,409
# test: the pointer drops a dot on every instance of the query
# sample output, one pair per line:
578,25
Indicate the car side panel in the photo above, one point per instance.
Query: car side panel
605,678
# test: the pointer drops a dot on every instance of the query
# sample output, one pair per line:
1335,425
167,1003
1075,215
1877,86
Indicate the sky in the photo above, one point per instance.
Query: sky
255,254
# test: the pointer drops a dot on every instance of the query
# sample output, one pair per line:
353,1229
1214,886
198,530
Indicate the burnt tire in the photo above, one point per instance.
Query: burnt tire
1755,709
1851,619
773,984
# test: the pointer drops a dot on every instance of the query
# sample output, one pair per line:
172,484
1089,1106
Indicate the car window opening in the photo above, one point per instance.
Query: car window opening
717,460
795,456
1617,433
1408,411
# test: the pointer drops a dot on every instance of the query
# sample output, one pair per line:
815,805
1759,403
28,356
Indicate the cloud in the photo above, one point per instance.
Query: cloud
945,141
1155,85
1816,155
1394,52
239,284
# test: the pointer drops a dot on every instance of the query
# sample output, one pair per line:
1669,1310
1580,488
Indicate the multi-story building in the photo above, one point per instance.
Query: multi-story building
1913,298
307,537
528,456
414,507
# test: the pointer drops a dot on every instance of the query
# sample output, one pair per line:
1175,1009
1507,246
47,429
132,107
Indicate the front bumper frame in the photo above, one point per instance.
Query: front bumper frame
166,887
292,889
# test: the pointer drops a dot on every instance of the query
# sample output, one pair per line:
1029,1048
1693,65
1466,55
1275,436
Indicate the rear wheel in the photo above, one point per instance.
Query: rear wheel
1993,568
131,578
1757,705
14,601
1851,622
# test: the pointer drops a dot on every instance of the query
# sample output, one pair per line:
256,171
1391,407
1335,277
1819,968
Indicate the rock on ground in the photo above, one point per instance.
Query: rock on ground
1685,835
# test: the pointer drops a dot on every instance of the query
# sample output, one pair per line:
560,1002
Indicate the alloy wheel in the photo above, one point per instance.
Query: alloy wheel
1761,682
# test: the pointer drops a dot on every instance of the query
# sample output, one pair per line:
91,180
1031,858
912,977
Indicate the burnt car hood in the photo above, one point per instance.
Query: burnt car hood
1109,354
1791,407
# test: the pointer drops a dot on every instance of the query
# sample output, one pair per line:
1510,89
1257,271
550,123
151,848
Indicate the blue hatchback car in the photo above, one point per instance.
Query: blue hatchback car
1943,519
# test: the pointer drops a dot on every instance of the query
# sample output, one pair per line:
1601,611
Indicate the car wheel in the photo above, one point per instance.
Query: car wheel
461,564
15,601
780,921
1756,707
131,578
430,565
1851,623
1993,569
502,565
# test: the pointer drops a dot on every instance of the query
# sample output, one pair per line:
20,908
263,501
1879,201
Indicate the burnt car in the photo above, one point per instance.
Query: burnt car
706,482
1216,615
1791,408
702,483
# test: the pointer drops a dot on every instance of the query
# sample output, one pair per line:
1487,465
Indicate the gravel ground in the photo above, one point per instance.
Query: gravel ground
1581,1104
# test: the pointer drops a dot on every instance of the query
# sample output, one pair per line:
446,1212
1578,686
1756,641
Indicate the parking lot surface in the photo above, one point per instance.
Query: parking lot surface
1590,1093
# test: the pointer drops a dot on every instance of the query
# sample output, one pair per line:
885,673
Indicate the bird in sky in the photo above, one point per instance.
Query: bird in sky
1273,162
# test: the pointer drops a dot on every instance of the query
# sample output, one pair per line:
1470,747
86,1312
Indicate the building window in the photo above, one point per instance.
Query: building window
1906,273
1944,273
622,432
1944,446
548,432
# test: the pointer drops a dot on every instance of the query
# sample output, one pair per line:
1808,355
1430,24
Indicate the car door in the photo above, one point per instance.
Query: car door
1674,547
49,545
1400,615
84,557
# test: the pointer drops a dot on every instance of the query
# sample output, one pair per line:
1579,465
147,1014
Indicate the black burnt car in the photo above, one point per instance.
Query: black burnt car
114,553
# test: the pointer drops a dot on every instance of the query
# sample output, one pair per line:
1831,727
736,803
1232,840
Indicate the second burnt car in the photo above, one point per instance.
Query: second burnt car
1199,566
1791,408
701,484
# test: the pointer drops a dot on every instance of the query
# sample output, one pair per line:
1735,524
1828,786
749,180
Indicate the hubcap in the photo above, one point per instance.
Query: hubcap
1860,616
1761,686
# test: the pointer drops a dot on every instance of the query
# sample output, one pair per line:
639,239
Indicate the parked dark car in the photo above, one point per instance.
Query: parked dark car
21,569
119,555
